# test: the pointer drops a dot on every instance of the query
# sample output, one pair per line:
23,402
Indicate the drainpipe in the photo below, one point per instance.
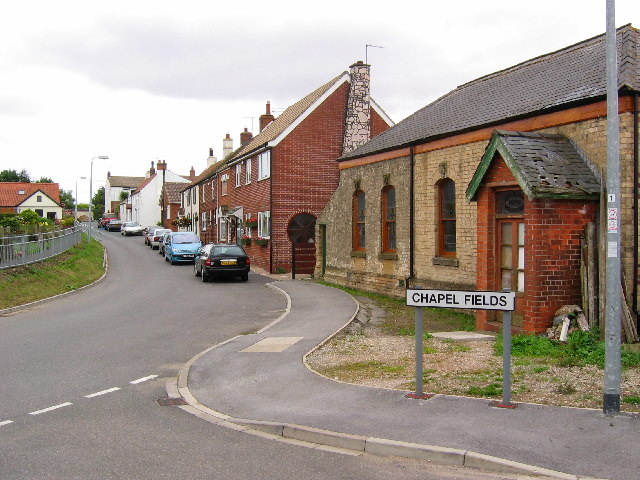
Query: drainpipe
635,206
411,216
270,211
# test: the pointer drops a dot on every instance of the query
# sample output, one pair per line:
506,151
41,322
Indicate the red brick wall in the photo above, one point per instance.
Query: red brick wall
553,229
305,171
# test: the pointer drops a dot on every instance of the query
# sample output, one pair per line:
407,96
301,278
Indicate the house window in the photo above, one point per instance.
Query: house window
238,174
204,220
222,230
264,165
188,195
447,217
358,220
264,224
223,187
213,194
39,198
389,219
194,191
247,171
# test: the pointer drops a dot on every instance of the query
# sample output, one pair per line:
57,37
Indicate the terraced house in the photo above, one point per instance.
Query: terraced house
269,191
492,186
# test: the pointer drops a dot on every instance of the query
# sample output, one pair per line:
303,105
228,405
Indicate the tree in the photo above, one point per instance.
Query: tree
66,197
44,180
14,176
98,203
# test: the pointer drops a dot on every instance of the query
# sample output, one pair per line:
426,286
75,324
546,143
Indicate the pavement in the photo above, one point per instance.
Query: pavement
260,384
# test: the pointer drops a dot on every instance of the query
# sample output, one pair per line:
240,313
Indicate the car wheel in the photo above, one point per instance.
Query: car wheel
244,277
205,276
195,270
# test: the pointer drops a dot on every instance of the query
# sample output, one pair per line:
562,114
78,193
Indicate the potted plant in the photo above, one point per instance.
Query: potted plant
251,222
246,240
261,241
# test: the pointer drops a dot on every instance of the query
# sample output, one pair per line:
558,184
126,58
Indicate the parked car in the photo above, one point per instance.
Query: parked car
181,247
161,246
131,228
154,240
222,260
113,225
148,233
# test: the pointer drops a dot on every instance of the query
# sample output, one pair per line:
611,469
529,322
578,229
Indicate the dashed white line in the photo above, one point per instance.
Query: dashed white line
143,379
103,392
5,422
55,407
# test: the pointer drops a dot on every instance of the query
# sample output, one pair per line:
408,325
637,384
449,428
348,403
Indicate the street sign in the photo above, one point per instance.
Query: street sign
461,299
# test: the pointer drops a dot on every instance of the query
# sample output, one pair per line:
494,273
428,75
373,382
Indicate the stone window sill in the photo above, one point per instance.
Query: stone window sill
446,262
388,256
359,254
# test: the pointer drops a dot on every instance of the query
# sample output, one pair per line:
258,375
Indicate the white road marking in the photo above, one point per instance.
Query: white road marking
6,422
103,392
143,379
55,407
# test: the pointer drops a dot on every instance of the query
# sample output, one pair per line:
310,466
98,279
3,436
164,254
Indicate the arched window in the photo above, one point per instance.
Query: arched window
358,220
388,219
447,217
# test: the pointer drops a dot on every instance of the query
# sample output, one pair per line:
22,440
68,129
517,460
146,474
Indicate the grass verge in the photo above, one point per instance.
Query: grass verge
77,267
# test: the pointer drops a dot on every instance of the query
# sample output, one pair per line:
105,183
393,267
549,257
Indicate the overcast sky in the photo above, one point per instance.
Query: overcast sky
142,80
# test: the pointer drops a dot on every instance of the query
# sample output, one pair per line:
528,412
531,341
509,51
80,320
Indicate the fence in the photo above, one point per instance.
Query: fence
24,249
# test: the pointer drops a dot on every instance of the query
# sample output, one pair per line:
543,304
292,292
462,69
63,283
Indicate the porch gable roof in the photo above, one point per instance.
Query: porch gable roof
545,166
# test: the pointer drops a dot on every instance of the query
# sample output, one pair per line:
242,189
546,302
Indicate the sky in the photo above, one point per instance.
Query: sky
140,81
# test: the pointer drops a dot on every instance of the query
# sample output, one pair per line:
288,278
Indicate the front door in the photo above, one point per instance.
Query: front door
511,262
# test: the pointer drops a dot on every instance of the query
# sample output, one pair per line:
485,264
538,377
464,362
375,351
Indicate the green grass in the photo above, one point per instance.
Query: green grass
581,348
68,271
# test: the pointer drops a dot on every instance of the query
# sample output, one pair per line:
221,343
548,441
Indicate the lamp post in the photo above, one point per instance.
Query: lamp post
101,157
75,214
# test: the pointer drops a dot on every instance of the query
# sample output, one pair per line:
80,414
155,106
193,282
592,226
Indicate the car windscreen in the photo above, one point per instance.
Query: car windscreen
232,250
185,238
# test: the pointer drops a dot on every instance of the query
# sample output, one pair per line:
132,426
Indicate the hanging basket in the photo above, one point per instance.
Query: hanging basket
263,242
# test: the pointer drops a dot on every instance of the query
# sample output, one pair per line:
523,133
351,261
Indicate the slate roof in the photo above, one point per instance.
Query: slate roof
9,196
545,165
125,182
550,82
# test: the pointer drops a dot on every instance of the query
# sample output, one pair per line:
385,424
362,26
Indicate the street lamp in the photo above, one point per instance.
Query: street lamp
75,215
101,157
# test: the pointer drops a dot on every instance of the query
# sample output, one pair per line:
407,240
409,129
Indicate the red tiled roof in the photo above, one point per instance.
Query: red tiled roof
9,196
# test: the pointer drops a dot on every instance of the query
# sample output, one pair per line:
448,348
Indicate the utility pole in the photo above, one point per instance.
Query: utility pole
611,402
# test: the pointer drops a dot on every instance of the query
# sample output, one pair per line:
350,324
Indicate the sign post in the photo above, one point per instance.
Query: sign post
505,301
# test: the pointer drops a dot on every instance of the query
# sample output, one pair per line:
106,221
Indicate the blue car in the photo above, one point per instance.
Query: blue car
181,247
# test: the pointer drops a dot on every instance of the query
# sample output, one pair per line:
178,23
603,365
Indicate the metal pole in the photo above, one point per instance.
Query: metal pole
611,401
506,358
90,199
419,351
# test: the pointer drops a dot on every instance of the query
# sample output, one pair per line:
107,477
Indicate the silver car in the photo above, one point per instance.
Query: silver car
131,228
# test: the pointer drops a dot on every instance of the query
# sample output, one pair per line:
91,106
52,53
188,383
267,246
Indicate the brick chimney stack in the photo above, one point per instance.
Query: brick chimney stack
227,146
152,171
192,174
358,121
211,159
266,118
162,165
245,137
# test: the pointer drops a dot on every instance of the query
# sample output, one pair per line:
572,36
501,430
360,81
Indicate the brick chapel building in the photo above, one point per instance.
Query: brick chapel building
492,186
268,192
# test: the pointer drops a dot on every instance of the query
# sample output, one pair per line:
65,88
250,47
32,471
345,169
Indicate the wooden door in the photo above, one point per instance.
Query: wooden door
510,274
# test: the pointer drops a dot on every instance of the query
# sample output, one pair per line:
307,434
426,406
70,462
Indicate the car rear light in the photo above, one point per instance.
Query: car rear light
248,261
208,262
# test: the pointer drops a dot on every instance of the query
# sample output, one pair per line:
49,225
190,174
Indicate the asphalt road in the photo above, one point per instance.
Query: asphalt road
81,376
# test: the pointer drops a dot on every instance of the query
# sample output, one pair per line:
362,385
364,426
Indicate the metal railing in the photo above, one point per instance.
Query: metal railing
19,250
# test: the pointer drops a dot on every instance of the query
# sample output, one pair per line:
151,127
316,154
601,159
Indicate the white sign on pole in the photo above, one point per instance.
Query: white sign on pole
461,299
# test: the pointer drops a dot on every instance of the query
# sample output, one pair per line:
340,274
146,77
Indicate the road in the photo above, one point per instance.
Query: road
81,376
